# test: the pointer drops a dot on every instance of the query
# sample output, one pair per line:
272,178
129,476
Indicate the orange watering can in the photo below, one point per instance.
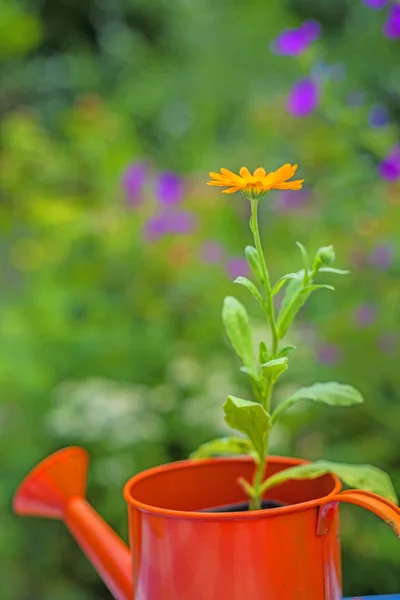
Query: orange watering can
179,551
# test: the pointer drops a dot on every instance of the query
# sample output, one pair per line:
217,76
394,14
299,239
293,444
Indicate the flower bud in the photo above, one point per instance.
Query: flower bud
325,256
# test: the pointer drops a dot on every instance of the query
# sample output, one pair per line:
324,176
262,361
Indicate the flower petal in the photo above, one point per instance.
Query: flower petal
259,174
285,172
245,174
231,190
289,185
220,183
279,176
232,176
218,176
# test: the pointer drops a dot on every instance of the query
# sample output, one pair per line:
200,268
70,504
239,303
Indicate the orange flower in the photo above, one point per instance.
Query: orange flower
259,183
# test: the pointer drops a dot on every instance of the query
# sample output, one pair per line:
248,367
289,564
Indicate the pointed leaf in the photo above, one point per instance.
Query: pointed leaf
236,321
330,392
295,296
250,373
263,353
283,280
319,286
254,262
252,288
223,446
333,270
364,477
274,368
304,255
286,350
294,287
249,418
246,486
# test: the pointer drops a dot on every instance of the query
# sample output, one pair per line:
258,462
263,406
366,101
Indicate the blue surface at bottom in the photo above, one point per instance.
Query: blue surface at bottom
390,597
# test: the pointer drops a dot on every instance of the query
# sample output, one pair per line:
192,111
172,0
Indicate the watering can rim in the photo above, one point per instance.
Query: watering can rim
221,516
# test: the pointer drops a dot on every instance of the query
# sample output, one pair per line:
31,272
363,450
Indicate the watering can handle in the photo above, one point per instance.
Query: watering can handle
383,508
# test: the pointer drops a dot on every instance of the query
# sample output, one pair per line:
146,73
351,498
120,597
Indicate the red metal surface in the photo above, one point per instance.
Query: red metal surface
288,553
274,554
47,489
105,550
56,488
383,508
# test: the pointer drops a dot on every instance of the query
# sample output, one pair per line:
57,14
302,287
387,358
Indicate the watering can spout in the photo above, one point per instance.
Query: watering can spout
56,489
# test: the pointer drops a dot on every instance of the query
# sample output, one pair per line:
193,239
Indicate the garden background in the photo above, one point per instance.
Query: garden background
115,256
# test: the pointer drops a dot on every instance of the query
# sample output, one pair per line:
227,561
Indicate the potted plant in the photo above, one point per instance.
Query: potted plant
244,524
255,419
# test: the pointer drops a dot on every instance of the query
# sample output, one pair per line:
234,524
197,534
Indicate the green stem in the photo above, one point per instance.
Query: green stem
255,503
266,401
268,291
256,500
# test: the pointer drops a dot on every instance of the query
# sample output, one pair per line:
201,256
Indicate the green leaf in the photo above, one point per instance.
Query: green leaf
286,350
254,262
249,418
292,290
283,280
363,477
332,270
331,392
263,352
274,368
223,446
304,255
319,286
250,373
247,487
252,288
294,298
236,321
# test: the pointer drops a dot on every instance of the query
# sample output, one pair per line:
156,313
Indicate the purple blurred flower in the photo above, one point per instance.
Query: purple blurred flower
375,4
291,200
303,98
392,26
164,223
156,227
169,188
378,116
388,342
212,252
364,315
237,267
328,354
292,42
389,168
133,181
382,257
181,221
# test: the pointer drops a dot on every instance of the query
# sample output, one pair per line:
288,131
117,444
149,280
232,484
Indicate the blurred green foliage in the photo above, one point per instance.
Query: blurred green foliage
114,341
